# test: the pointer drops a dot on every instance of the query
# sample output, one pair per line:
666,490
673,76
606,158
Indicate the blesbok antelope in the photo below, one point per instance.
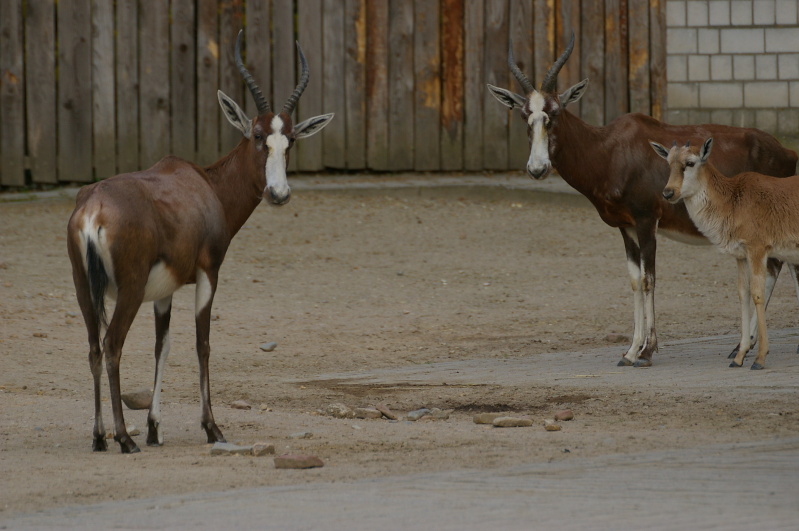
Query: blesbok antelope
140,236
614,167
750,216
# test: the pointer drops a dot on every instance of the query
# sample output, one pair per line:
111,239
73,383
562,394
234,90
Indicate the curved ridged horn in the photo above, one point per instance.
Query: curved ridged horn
517,73
260,101
305,74
550,82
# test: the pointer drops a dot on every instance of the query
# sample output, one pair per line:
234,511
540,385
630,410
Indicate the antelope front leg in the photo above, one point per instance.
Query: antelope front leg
163,313
757,271
204,297
633,254
745,300
647,241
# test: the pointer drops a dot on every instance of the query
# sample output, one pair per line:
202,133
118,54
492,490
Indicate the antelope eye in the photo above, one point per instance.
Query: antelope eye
690,164
259,136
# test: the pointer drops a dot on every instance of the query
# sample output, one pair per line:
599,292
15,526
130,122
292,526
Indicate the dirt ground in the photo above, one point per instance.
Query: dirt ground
361,281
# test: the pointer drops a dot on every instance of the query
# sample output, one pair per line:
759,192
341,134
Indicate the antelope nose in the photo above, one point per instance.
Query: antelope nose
537,172
668,193
278,198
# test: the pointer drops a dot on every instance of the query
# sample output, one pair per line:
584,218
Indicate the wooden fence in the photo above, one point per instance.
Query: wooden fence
90,88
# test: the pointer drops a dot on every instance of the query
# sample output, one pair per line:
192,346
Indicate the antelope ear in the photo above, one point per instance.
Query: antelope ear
507,98
234,114
659,149
704,151
311,126
573,93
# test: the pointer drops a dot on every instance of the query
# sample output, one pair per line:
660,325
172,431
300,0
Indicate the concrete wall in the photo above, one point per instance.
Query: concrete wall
734,62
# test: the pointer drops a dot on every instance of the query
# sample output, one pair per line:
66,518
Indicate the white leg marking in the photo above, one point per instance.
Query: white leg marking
746,305
638,315
203,293
155,408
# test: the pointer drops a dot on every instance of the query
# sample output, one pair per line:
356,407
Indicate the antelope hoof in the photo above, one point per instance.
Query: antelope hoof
735,365
99,444
152,435
757,367
127,445
734,353
213,433
624,362
642,363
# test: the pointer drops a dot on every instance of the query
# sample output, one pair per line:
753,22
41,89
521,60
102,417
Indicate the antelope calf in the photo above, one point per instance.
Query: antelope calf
751,216
140,236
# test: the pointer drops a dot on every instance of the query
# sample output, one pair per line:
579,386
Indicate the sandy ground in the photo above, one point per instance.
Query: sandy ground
356,281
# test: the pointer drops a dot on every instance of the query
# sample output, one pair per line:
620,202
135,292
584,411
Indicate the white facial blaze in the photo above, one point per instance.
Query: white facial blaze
538,162
277,143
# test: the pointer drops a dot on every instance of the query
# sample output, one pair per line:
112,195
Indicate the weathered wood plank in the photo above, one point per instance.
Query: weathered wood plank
183,81
401,89
427,74
354,82
568,22
496,116
231,15
544,33
474,90
40,90
334,98
521,34
377,84
638,76
127,86
208,111
592,57
154,88
452,89
309,28
12,95
103,91
257,51
657,57
74,92
615,59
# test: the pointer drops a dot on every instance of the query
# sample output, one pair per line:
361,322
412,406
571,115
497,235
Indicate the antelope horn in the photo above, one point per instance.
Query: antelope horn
260,101
288,108
688,143
517,73
550,82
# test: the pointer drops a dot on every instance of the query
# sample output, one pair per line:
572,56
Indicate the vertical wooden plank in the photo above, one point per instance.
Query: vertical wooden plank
354,82
568,22
616,91
334,98
638,76
400,91
521,31
231,14
74,91
127,86
285,62
103,90
208,111
183,82
377,84
495,128
452,89
40,90
309,29
592,55
657,57
12,95
474,83
427,74
154,76
544,33
257,52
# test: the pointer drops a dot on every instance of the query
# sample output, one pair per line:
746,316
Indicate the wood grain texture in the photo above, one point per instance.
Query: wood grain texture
355,82
231,20
127,87
657,58
154,75
334,98
257,50
103,104
427,76
639,59
521,35
452,84
592,56
496,116
544,29
377,84
183,81
616,97
309,25
568,23
208,111
401,85
40,91
474,89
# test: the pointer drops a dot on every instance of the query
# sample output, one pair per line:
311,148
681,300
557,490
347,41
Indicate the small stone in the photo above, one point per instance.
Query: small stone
417,414
552,427
269,347
264,407
109,434
487,418
565,414
240,404
512,422
617,338
220,448
298,461
301,435
440,414
262,448
339,411
132,430
140,399
39,334
367,413
382,408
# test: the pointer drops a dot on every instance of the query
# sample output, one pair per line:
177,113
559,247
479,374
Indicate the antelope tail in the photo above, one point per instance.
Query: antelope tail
98,282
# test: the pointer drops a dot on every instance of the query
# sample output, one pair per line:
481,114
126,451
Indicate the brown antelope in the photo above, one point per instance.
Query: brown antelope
140,236
614,167
750,216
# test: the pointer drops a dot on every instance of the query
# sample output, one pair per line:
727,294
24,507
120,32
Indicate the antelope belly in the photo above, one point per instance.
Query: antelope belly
160,283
